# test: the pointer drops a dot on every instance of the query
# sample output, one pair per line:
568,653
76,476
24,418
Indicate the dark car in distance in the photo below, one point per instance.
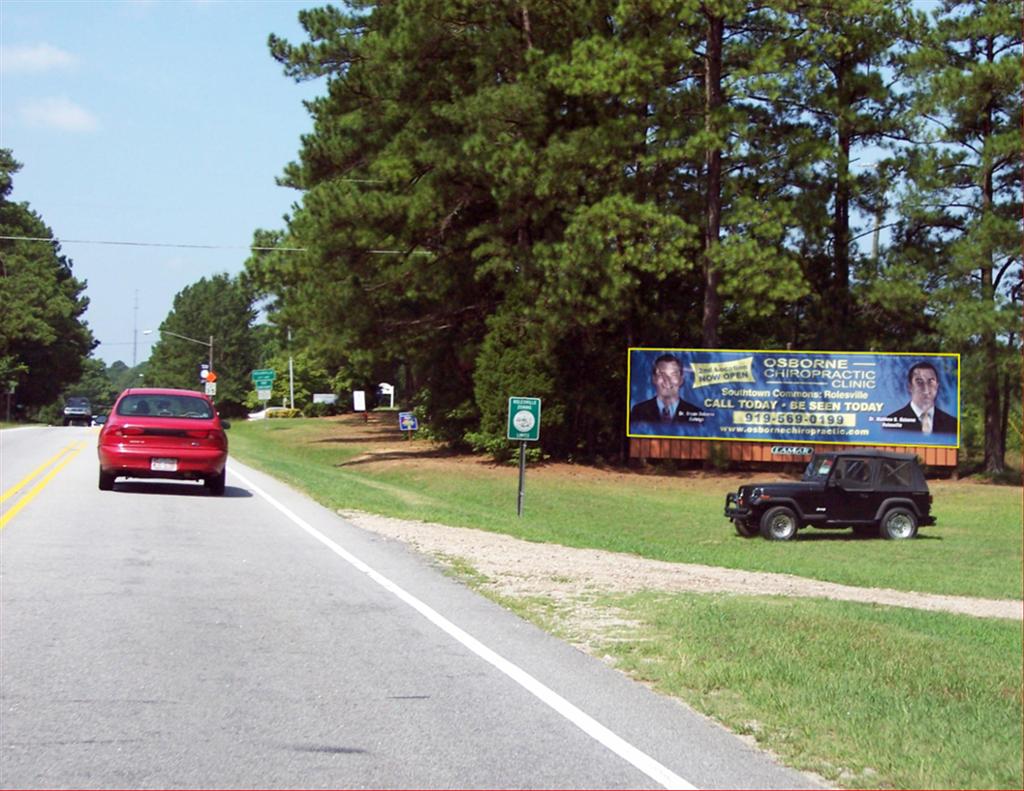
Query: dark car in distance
163,433
77,411
873,492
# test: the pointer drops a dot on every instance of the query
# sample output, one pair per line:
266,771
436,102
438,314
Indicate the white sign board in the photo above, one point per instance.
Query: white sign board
359,400
325,398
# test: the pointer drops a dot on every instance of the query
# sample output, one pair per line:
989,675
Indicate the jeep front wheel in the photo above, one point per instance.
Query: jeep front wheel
779,524
899,523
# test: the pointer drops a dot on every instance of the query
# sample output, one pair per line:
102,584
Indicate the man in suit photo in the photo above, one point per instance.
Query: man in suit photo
666,406
921,414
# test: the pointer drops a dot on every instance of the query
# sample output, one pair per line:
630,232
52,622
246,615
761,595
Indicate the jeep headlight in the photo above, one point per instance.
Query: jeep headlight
755,494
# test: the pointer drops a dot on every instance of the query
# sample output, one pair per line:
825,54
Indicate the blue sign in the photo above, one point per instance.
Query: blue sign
856,398
407,421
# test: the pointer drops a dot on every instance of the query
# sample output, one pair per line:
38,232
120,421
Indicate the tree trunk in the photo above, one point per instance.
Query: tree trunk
840,291
995,443
524,13
995,448
995,437
713,162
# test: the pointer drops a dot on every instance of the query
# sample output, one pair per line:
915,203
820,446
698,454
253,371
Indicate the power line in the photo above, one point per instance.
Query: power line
195,246
152,244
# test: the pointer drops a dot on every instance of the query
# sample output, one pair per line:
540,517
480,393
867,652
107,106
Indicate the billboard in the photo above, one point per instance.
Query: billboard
862,398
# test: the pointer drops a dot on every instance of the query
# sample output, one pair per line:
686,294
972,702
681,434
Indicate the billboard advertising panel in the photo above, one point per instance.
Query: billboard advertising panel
862,398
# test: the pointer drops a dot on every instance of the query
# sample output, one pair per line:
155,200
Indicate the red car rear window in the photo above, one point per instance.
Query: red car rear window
165,406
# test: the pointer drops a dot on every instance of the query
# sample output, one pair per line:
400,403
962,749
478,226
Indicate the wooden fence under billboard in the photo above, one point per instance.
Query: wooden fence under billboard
696,449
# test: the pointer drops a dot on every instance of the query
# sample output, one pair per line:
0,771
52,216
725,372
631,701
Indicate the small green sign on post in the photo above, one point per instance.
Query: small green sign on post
523,426
524,419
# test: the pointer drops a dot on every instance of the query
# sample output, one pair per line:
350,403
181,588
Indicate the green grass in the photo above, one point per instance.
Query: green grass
975,550
865,696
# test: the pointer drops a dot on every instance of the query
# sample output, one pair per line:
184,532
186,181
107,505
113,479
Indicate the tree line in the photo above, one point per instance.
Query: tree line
44,342
500,198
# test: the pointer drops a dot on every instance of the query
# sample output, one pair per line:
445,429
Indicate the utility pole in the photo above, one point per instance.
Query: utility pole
291,377
135,330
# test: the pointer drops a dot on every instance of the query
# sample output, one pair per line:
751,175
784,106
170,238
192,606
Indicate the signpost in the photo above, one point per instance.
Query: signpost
263,381
208,378
523,426
407,421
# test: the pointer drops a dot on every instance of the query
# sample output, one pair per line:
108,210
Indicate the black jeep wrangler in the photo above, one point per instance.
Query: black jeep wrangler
874,492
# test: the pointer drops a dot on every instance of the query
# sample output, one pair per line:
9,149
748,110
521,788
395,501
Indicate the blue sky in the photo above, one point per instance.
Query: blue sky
156,121
153,121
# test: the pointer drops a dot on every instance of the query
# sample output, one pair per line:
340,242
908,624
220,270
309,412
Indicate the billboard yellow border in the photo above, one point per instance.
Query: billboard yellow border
629,389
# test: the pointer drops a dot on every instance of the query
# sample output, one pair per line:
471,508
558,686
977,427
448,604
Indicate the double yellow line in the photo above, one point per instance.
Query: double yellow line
47,469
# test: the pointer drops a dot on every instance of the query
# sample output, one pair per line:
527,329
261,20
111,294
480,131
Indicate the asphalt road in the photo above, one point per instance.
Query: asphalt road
158,637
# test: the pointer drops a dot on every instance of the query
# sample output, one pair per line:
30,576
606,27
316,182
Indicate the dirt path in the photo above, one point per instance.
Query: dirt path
521,568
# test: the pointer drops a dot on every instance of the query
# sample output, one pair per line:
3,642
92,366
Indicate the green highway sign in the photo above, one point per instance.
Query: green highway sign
524,419
263,381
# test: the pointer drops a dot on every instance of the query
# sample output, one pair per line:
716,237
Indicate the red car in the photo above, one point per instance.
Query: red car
163,433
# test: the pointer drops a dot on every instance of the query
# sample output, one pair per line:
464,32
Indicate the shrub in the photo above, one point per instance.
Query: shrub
278,413
322,410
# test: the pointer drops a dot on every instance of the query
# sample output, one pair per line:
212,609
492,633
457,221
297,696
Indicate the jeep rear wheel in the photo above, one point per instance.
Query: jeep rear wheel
898,524
779,524
745,529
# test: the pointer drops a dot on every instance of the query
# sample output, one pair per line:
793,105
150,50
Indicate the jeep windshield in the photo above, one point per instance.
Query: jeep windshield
818,468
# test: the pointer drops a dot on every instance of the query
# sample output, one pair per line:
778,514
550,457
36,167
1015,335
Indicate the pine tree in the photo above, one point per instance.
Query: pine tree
845,102
43,339
963,204
218,307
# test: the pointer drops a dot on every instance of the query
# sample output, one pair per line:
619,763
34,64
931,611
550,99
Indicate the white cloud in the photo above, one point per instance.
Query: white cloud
59,113
34,58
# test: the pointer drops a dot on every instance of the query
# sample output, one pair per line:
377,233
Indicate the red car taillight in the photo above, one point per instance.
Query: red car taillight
114,432
216,438
212,437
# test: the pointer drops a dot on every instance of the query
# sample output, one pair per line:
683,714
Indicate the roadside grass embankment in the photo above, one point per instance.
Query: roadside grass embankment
975,550
866,696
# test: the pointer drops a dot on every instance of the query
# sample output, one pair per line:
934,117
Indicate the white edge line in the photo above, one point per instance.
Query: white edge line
577,717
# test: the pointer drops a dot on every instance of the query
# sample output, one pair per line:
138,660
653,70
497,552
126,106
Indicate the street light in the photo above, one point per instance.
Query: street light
208,344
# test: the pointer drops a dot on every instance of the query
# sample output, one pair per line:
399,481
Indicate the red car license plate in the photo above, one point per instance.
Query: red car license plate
163,465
